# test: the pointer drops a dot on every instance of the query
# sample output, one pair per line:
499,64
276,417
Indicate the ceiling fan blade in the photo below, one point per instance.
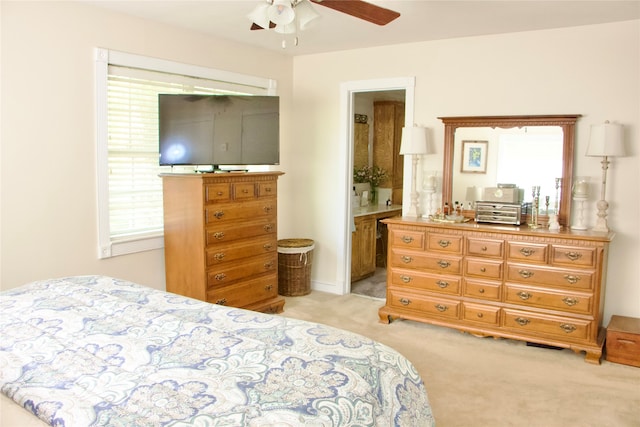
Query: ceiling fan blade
361,9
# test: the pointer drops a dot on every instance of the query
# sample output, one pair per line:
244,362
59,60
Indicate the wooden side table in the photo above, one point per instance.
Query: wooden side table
623,340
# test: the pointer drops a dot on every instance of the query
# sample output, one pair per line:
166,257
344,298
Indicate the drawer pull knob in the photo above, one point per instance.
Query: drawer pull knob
525,273
573,256
267,189
220,276
568,328
219,256
481,290
482,269
480,315
442,284
218,235
524,295
406,259
221,301
267,209
570,301
527,251
444,243
268,265
405,301
444,264
405,279
267,246
268,228
219,193
218,214
441,308
407,239
522,321
245,191
268,287
571,278
484,249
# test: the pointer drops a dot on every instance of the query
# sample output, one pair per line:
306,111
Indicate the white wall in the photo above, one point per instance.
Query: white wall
590,70
48,152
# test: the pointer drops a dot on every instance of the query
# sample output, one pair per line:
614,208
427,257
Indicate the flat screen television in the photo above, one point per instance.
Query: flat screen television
219,130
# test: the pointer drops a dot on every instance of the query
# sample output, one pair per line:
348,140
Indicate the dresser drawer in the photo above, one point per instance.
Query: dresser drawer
485,247
242,249
570,279
484,268
422,260
444,243
244,190
481,313
425,281
580,303
483,290
424,304
246,292
551,326
224,274
574,257
268,189
216,193
527,252
407,239
225,232
250,210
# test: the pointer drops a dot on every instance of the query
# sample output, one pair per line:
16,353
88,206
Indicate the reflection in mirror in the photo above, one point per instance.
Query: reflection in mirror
525,157
519,150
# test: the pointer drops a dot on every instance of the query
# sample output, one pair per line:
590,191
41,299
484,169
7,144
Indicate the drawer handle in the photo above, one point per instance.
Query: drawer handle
525,273
573,255
218,235
441,308
267,246
407,239
219,193
267,209
570,301
218,214
442,284
527,251
268,287
483,270
268,265
245,191
219,256
626,342
479,315
267,189
483,249
444,243
568,328
221,301
522,321
405,279
481,290
220,276
444,264
268,228
406,259
571,278
405,301
524,295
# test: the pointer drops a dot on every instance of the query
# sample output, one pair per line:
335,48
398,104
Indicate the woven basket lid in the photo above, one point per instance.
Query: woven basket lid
295,243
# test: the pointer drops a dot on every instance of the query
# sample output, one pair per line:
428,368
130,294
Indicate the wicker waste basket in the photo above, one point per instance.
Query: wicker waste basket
294,266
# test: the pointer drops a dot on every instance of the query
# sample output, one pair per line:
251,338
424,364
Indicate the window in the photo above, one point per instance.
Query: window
129,189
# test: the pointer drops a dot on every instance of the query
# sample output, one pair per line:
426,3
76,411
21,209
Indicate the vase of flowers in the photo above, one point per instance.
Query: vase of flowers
374,175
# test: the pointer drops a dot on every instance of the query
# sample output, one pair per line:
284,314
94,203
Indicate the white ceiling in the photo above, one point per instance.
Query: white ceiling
420,20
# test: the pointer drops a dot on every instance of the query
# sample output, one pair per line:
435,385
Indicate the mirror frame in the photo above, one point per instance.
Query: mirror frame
566,122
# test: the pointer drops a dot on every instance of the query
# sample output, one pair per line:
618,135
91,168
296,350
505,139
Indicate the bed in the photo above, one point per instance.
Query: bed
94,350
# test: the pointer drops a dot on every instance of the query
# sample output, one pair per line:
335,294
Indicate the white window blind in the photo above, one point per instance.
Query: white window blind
130,200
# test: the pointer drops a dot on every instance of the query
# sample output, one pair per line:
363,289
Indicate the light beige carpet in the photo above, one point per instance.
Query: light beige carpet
475,381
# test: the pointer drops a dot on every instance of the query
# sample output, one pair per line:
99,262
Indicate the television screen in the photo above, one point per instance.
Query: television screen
219,130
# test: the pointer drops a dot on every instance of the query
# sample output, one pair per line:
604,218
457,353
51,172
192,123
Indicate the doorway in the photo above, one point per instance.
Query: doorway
349,93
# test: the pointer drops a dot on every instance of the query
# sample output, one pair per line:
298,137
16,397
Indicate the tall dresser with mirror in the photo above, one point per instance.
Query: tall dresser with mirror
220,232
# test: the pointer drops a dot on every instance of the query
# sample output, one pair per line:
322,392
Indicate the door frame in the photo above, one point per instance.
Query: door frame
347,92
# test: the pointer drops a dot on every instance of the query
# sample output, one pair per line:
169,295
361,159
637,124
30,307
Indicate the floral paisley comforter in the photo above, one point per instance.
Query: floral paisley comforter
96,351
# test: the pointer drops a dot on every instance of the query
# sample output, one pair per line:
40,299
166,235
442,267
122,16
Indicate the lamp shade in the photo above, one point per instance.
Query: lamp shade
281,12
414,140
259,15
606,140
305,14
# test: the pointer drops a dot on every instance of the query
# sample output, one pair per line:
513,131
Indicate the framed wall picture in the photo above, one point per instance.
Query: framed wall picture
474,157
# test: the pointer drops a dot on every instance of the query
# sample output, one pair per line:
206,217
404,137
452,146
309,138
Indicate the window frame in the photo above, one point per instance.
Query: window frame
107,245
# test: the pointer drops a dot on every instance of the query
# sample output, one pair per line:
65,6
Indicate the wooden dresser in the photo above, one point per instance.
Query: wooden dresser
220,232
540,286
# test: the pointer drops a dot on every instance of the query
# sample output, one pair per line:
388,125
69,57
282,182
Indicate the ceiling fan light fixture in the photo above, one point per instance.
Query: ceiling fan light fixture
259,15
285,29
281,12
305,14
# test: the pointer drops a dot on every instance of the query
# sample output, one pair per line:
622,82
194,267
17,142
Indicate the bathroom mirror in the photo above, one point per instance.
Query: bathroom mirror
545,143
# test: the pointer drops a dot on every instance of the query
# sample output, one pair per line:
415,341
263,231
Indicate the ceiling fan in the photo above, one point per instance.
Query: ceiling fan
280,13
